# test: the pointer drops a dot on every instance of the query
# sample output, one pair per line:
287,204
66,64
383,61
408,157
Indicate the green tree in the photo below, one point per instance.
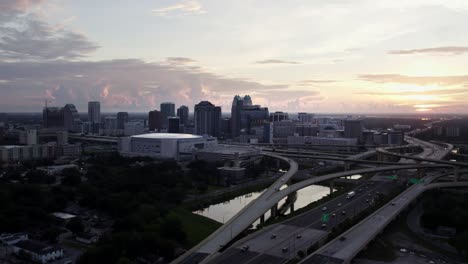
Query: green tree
75,225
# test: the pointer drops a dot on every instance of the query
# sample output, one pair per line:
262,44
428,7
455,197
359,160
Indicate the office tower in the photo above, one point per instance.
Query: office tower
237,104
225,130
62,138
252,116
110,122
72,121
278,116
183,114
52,117
247,100
353,128
305,117
94,116
28,137
168,110
207,119
155,120
122,118
173,125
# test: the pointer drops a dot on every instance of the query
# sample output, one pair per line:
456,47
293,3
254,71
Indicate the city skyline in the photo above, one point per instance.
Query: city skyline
300,56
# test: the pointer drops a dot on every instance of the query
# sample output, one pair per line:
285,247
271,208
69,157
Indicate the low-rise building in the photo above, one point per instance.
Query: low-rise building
240,154
16,153
38,252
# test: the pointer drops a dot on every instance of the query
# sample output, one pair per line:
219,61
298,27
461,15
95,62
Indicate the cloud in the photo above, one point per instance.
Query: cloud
452,50
132,85
425,92
182,8
416,80
313,82
8,6
179,60
276,62
24,35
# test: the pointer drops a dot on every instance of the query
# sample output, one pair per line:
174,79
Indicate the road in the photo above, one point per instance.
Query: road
239,222
308,226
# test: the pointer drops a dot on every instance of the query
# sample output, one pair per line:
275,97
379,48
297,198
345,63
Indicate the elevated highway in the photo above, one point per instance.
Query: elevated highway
346,246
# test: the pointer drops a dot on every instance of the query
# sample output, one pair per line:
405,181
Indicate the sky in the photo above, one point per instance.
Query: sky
333,56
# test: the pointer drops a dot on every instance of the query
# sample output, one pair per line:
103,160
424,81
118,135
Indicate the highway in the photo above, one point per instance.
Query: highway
239,222
302,231
346,246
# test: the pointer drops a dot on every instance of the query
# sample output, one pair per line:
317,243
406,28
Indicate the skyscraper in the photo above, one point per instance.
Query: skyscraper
155,120
353,128
52,117
168,110
237,105
207,119
278,116
183,114
174,125
71,118
122,118
94,116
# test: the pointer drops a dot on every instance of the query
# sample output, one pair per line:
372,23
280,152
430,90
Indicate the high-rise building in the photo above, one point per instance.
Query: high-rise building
353,128
183,114
306,117
278,116
252,116
168,110
94,116
237,105
52,117
155,120
247,100
207,119
71,118
173,125
122,118
28,137
110,122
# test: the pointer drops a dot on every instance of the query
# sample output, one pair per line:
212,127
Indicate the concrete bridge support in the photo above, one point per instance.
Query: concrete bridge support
456,173
274,211
347,166
292,197
262,219
331,186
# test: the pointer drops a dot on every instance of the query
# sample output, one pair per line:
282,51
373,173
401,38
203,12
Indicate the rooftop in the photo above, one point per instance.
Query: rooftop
167,136
35,247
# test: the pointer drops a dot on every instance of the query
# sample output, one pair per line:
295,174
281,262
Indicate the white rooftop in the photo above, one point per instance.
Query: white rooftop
167,136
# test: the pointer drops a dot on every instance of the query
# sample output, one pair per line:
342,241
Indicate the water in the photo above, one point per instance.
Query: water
222,212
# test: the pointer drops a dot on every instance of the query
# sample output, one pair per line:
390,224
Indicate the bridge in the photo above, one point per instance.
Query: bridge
346,246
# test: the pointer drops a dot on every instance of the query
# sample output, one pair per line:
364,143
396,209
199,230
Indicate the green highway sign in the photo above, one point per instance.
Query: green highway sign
392,177
325,217
415,181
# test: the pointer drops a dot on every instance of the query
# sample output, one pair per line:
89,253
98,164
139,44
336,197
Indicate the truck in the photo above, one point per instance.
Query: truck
350,195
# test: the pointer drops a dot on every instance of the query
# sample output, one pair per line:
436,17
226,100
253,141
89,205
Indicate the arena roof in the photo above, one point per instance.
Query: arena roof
167,136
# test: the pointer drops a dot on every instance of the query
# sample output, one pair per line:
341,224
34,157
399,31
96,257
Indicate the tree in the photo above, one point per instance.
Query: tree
71,177
51,235
75,225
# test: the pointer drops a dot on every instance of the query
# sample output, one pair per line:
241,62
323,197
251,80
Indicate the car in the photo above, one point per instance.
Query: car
403,250
333,215
285,249
367,200
360,190
273,236
343,212
324,225
299,236
324,208
339,204
245,248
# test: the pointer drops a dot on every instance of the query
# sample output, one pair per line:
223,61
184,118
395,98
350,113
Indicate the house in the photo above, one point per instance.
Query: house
87,238
10,239
39,252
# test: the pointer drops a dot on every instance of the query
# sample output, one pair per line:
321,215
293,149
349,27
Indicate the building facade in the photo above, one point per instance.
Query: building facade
183,114
207,119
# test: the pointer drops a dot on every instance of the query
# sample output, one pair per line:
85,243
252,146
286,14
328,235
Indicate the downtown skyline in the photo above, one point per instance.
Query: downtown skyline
299,56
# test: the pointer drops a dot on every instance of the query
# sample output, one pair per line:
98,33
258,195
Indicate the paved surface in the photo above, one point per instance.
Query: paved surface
345,247
308,225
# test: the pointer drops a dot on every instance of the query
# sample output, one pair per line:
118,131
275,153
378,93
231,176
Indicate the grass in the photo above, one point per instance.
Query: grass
196,227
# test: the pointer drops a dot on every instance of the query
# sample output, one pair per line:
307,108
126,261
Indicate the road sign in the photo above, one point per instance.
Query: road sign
392,177
325,218
416,181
